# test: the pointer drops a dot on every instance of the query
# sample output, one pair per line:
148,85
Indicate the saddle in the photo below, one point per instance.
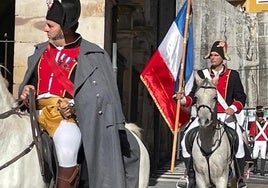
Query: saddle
189,139
231,134
50,158
232,137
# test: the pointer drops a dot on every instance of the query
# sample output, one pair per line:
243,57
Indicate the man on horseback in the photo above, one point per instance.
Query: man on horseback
258,133
231,100
79,105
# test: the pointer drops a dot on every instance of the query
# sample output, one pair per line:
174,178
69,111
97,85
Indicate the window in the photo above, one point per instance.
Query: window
261,1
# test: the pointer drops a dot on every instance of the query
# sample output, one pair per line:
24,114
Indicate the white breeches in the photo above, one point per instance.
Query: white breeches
259,145
240,152
67,140
194,124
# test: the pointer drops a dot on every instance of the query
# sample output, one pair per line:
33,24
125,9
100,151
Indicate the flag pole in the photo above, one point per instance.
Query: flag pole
181,79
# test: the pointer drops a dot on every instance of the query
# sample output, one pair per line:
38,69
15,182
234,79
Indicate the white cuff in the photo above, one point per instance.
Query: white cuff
183,101
71,101
233,107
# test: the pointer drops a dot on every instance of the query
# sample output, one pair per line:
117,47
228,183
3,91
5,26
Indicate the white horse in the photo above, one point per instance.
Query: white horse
144,173
211,150
16,136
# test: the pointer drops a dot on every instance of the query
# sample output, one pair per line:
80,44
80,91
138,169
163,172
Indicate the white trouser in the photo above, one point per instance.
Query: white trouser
222,116
67,140
259,145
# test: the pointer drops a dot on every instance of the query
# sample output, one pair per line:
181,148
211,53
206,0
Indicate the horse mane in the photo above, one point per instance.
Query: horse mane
7,99
206,81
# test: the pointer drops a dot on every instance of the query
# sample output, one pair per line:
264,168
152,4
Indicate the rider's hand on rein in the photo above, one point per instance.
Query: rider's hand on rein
66,109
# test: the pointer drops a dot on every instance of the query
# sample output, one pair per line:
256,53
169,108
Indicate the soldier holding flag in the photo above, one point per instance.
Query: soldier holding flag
231,99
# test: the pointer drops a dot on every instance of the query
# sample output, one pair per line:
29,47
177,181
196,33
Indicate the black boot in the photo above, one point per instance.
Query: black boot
262,166
190,172
255,167
239,170
188,180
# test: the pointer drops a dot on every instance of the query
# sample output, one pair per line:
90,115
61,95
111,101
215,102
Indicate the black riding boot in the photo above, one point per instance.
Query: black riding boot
262,166
240,172
255,167
190,172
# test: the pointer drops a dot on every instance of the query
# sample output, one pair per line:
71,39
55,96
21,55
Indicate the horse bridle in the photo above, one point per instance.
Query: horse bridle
35,132
6,114
204,105
218,141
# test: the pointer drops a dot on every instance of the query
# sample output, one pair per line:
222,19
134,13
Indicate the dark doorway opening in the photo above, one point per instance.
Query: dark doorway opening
7,14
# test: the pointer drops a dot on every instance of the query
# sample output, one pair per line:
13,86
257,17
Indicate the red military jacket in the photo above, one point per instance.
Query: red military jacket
254,130
229,86
63,59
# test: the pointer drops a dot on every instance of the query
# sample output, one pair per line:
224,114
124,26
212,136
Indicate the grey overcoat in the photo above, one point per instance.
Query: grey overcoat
99,115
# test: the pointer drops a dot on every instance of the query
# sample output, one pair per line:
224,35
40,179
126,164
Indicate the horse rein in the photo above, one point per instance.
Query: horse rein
12,111
20,155
26,150
217,128
203,105
207,154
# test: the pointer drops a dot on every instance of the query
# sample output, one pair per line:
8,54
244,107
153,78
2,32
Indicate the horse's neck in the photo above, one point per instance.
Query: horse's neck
7,101
206,136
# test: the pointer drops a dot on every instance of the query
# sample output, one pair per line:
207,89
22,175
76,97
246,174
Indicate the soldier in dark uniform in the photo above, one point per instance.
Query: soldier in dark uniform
231,102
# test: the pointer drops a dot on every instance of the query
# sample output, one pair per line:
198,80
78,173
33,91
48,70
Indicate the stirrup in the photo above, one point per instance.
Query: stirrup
241,183
183,182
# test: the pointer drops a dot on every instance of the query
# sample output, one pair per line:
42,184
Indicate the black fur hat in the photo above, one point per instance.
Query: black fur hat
55,12
66,13
259,111
72,10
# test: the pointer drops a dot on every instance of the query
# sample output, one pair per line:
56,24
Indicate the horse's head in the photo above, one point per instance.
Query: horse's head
206,100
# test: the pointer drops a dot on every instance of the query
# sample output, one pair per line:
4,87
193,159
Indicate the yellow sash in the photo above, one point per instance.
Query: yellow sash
50,117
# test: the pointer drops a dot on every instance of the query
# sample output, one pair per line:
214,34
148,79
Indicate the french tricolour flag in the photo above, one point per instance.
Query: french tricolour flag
161,72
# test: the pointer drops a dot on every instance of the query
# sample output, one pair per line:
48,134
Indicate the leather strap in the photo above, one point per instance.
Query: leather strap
219,96
261,131
12,111
36,131
24,152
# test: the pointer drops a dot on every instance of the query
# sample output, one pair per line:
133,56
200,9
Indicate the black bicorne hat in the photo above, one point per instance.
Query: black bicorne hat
220,47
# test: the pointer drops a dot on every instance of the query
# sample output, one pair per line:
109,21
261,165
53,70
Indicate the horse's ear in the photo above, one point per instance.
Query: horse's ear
198,79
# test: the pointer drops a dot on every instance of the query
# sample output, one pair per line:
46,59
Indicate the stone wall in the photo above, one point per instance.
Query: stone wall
263,56
30,22
246,47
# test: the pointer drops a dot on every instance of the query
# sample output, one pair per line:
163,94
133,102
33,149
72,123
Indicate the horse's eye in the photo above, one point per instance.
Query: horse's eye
215,98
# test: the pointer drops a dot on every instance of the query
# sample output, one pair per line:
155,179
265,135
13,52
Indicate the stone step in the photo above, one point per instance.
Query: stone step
164,175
